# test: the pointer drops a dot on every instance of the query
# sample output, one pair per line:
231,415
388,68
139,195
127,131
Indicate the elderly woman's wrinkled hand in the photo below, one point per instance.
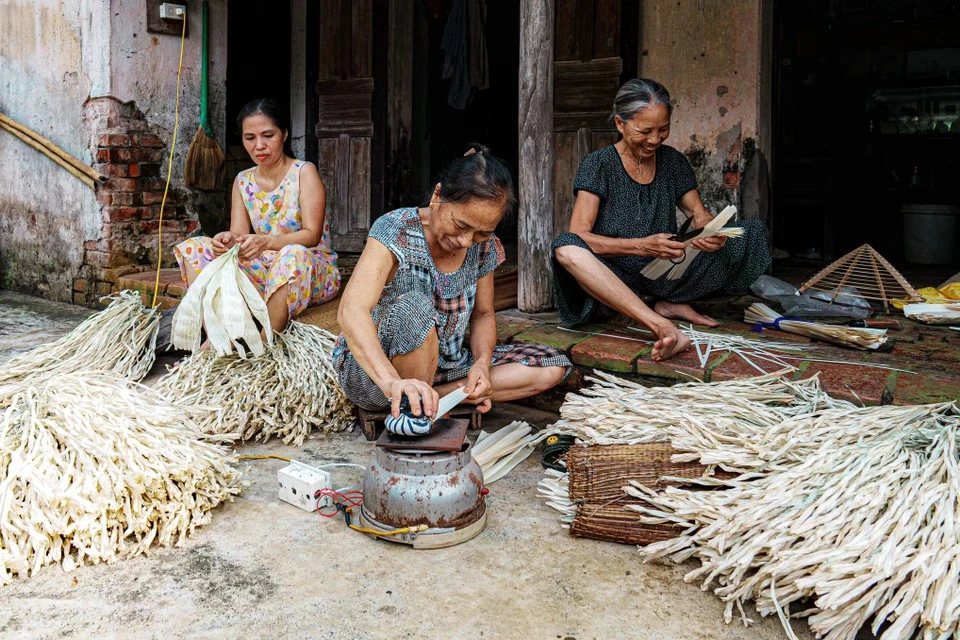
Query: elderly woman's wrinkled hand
660,245
711,244
478,387
423,398
252,245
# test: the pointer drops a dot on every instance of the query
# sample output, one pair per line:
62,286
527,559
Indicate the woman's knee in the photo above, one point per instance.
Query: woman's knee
410,323
412,304
569,254
296,252
549,377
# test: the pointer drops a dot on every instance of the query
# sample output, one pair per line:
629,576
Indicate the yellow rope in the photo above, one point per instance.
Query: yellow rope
267,457
173,146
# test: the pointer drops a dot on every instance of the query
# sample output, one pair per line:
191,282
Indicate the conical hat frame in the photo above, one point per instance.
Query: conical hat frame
868,272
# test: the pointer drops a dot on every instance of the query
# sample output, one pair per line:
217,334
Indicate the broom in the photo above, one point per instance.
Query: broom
204,166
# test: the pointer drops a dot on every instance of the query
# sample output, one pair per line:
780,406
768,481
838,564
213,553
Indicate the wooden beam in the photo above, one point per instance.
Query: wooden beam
535,125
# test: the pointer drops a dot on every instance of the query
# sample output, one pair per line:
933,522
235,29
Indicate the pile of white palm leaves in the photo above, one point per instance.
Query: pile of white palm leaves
845,515
223,301
121,339
617,411
288,391
94,468
850,517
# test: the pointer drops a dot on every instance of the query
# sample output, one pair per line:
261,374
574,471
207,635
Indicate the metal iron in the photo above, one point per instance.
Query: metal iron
440,489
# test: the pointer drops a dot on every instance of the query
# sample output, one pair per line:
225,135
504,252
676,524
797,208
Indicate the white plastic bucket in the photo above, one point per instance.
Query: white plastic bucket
929,232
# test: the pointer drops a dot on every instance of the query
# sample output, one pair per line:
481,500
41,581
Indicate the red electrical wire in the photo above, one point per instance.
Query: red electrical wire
351,498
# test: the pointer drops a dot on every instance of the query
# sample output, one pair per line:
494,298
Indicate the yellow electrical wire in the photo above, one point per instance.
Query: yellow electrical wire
394,532
267,457
173,146
374,532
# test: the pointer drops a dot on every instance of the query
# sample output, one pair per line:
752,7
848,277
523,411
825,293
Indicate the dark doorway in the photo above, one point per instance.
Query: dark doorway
258,66
258,57
442,132
866,123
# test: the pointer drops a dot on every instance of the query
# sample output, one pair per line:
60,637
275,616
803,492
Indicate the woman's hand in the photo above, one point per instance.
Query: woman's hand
478,387
252,245
661,246
711,244
424,400
223,242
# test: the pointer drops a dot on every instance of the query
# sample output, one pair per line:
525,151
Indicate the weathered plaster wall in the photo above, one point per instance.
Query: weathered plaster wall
52,56
708,54
145,72
58,58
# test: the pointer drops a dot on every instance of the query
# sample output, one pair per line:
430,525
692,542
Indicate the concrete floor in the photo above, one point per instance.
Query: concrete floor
264,569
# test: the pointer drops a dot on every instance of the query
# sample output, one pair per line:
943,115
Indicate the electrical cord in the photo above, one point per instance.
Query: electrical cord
173,146
376,532
265,457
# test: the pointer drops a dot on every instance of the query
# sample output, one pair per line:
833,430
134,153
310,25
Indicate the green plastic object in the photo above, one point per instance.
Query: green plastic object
204,64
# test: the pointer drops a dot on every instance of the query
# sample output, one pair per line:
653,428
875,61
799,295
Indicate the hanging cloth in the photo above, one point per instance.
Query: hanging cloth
464,45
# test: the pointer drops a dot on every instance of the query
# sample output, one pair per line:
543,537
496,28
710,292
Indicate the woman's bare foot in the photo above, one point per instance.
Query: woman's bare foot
670,341
683,312
205,346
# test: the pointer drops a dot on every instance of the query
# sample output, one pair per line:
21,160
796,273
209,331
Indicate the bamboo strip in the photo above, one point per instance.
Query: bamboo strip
53,147
85,179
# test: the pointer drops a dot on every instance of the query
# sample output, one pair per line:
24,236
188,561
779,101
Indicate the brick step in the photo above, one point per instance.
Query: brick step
619,350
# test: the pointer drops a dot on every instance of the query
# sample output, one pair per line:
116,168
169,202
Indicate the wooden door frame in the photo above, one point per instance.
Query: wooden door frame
535,229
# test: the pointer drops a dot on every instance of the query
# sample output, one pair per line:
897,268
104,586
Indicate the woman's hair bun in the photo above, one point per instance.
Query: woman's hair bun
476,147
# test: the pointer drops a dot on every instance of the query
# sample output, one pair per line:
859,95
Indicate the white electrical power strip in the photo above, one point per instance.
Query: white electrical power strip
299,483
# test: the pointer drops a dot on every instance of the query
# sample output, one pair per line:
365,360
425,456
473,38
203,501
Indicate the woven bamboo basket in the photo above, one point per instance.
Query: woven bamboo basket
597,477
323,316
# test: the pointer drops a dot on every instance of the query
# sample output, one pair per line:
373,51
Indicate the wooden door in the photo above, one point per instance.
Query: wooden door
345,118
595,49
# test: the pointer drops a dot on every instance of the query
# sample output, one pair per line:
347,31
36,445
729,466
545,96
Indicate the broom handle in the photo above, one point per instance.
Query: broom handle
204,63
84,178
50,148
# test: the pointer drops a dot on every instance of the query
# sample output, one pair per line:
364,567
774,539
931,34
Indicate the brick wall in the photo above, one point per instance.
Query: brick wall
134,159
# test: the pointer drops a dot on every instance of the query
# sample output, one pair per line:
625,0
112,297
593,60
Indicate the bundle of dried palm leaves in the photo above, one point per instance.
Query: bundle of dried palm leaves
933,313
94,468
288,391
762,316
224,302
852,515
617,411
500,452
673,269
120,339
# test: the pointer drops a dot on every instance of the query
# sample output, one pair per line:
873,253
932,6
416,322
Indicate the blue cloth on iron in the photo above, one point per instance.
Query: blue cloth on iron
408,424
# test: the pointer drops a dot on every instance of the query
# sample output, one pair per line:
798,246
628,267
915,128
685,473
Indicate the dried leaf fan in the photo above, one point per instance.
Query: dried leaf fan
867,271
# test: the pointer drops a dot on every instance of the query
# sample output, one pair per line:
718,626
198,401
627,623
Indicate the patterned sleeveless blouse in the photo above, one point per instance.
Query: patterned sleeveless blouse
278,212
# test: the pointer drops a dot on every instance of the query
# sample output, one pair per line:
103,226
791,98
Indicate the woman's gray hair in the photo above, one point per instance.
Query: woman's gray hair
638,94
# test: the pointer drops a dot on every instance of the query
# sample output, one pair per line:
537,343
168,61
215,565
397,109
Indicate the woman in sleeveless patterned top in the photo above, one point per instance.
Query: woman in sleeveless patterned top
424,278
278,219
